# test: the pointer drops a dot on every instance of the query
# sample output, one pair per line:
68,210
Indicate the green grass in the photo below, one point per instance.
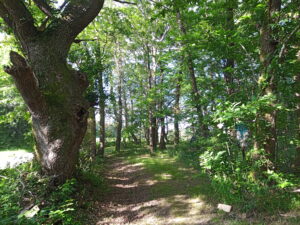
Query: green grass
173,165
174,177
172,174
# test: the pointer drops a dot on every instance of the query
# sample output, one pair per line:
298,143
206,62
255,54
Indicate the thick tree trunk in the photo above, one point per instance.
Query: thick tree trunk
102,115
59,112
52,91
152,133
167,131
89,141
162,143
147,135
266,136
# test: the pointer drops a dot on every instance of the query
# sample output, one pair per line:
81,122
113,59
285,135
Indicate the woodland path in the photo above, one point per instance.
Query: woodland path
138,189
151,190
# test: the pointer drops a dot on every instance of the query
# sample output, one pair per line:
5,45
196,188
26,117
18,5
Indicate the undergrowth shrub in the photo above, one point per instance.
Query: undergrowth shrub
247,183
23,187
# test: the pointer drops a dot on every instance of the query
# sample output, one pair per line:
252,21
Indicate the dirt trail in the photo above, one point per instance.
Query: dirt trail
135,195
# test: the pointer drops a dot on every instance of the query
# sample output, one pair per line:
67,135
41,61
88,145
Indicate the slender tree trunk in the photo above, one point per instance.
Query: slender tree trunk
92,127
120,106
147,135
152,133
135,139
126,114
152,105
102,115
201,127
177,111
229,60
266,136
167,131
297,97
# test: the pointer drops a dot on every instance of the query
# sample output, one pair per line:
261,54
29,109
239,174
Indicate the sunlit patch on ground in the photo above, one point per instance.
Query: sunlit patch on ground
157,190
11,159
151,191
165,176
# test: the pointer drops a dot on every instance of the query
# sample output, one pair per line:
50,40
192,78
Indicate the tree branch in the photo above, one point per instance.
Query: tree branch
125,2
19,18
287,39
44,7
4,14
76,16
163,36
26,83
77,41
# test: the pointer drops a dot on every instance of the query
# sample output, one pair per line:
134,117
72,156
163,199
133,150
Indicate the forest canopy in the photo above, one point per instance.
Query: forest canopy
215,83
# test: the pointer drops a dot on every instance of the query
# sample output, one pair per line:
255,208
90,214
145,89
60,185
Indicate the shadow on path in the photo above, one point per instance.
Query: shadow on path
160,191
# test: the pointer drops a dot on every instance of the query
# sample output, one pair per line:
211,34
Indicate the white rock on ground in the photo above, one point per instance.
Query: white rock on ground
11,159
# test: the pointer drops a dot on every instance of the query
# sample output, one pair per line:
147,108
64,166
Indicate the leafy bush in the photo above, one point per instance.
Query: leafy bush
23,186
247,183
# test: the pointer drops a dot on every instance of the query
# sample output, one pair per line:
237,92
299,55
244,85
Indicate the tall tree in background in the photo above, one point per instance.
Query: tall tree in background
267,136
189,61
229,61
102,98
119,111
177,108
51,90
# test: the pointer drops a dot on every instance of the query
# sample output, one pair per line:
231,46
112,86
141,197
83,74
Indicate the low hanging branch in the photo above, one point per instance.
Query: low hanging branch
77,41
125,2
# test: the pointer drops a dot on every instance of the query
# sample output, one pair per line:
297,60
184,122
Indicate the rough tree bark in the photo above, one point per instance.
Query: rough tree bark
89,140
266,136
147,135
162,141
51,90
102,98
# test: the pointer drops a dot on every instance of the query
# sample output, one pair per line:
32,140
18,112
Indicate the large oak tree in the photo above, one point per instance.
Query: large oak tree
52,90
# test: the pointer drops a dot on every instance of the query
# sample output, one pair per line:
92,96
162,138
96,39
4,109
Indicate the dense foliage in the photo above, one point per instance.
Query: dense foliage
215,82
